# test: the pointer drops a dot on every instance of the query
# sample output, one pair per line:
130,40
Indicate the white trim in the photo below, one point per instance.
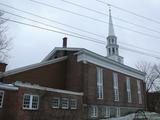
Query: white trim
118,112
107,112
94,110
109,64
111,106
8,86
2,98
31,102
116,86
67,103
28,85
75,104
128,86
33,66
100,91
56,98
61,49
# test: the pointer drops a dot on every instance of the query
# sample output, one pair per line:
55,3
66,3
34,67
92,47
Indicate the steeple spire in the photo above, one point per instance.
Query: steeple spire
112,46
111,28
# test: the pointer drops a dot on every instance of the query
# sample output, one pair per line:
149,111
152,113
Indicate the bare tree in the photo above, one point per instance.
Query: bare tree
152,75
152,80
4,40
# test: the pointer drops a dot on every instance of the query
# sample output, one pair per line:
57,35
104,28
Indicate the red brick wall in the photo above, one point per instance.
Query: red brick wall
74,74
52,75
45,111
91,95
13,100
9,108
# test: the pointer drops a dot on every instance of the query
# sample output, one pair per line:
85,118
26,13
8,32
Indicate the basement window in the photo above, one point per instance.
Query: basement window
30,102
73,104
65,103
1,98
56,102
93,111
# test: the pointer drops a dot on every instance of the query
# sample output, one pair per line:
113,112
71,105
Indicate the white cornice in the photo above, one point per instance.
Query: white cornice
8,86
59,49
28,85
87,56
29,67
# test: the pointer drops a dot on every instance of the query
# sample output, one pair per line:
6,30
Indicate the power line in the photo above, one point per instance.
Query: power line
72,26
68,31
51,30
51,20
139,32
130,12
47,24
139,47
140,52
99,42
117,18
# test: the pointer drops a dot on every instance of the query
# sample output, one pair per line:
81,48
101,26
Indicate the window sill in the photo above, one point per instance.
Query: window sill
65,107
31,109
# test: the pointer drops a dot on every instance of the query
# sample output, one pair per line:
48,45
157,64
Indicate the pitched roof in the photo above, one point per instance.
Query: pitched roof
83,54
29,67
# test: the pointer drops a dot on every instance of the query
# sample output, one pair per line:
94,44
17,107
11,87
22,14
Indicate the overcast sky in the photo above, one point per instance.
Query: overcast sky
30,45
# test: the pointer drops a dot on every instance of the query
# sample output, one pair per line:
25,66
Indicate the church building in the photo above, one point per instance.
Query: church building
72,84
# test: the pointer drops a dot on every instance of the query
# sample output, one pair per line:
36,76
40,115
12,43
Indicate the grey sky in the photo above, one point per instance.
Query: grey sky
31,45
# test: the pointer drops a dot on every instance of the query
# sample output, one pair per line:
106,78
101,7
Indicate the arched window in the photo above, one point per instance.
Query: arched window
112,40
109,50
113,50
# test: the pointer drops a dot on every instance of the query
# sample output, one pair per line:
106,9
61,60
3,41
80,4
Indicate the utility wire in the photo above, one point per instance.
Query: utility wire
99,42
140,52
130,12
125,28
46,24
51,30
117,18
71,31
51,20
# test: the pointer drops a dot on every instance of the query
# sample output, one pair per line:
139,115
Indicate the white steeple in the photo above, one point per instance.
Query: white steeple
111,29
112,46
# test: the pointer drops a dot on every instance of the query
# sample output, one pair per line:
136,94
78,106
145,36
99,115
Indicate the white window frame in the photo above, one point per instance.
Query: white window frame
93,111
139,92
31,102
107,112
56,105
65,105
100,91
128,86
73,103
1,102
116,88
118,112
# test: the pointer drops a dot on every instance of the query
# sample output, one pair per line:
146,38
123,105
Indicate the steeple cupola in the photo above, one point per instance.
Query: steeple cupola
112,46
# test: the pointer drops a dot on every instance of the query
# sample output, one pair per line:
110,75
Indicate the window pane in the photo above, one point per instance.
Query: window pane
26,101
30,101
56,102
93,111
1,98
99,83
35,101
73,103
65,103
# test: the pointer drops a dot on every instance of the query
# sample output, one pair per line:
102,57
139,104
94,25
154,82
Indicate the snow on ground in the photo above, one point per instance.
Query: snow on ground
149,115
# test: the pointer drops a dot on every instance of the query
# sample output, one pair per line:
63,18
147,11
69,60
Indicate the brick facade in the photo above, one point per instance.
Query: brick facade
77,76
13,106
